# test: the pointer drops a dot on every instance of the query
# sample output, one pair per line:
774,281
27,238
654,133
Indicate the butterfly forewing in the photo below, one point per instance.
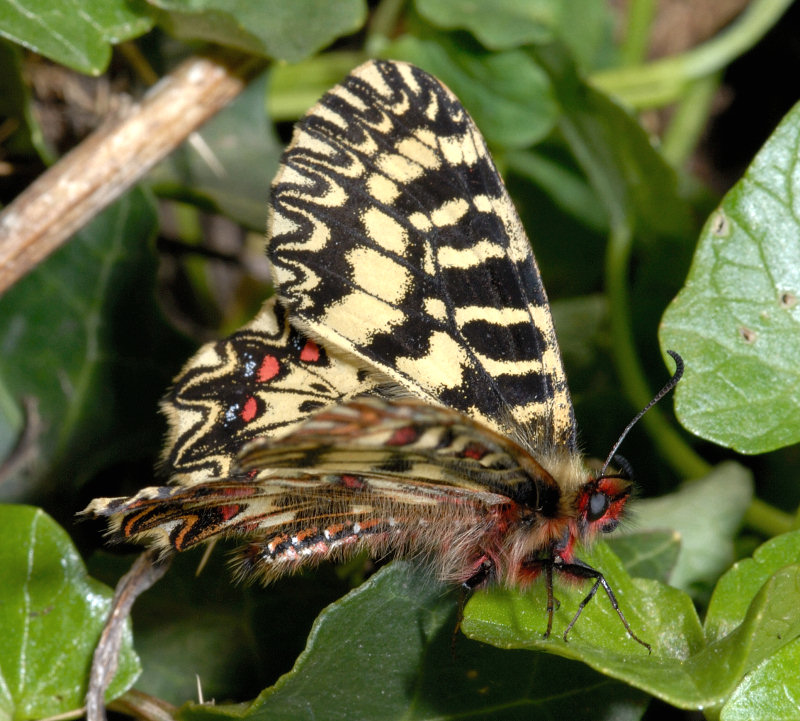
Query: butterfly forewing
393,237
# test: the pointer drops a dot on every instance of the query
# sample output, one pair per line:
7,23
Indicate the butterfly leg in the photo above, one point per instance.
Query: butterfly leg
580,569
481,575
534,566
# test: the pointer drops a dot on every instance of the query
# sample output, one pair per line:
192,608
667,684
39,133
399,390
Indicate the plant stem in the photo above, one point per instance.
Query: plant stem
668,441
637,34
382,25
689,120
767,519
664,81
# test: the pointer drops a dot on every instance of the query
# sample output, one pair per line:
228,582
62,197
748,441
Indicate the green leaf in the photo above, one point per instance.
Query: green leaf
648,554
706,535
687,669
732,595
384,652
498,25
275,28
230,162
507,94
51,613
615,152
770,691
584,25
82,335
736,322
75,33
662,616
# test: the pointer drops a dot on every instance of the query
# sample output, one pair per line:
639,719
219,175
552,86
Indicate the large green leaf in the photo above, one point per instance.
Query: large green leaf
282,30
506,93
51,613
687,668
83,336
729,604
75,33
585,26
737,320
770,691
384,652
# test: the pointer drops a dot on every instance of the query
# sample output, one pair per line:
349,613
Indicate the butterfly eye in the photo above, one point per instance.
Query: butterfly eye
598,505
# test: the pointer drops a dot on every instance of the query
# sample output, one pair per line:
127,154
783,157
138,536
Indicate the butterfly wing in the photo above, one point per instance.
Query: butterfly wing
389,475
260,381
393,238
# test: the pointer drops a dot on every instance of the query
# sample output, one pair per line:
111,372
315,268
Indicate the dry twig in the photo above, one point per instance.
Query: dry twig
145,571
93,175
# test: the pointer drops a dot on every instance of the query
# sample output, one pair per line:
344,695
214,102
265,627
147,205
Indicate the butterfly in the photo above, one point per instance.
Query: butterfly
403,392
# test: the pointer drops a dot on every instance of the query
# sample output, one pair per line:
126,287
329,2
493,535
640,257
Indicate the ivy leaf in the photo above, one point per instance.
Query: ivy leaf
506,93
83,336
754,616
51,613
662,616
706,538
75,33
736,321
585,26
730,602
277,29
384,652
770,691
648,554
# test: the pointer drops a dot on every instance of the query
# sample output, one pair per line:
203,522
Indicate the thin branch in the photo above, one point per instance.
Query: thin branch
108,162
145,571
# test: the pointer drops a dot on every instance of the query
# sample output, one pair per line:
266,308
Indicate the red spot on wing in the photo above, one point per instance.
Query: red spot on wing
228,512
353,482
310,352
239,491
403,436
474,450
250,409
269,368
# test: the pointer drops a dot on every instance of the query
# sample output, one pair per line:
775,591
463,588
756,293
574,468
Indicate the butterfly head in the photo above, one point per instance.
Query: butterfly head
598,505
585,509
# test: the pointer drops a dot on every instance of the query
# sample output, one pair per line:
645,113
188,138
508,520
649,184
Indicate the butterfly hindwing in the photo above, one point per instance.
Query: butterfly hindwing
393,238
369,473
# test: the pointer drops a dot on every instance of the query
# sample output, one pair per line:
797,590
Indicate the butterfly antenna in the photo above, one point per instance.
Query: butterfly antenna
671,383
